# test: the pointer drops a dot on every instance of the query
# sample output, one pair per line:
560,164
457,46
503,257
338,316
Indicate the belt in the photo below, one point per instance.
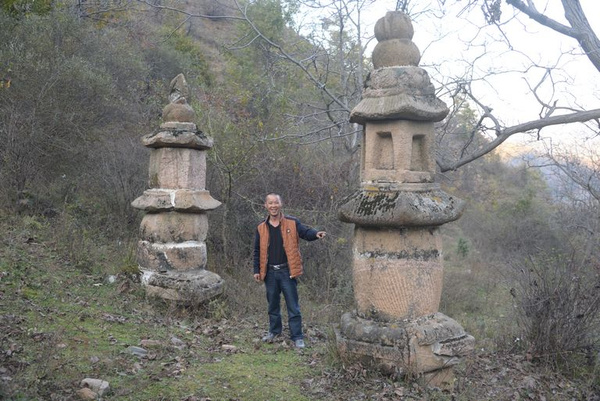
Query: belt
278,267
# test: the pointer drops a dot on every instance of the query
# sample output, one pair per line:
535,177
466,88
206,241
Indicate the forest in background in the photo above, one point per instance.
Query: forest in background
82,83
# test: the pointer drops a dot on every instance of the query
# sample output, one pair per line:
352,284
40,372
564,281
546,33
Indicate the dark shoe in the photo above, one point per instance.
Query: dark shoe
299,343
270,337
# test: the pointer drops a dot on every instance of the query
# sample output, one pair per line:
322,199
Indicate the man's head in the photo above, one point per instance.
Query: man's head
273,204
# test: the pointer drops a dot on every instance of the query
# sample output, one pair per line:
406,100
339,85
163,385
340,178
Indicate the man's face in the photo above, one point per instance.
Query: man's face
273,205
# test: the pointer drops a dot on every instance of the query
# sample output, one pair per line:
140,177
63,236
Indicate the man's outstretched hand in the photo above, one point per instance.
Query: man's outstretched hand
321,234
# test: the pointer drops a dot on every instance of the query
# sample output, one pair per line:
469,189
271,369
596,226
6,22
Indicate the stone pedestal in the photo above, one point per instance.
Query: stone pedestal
397,211
172,250
427,347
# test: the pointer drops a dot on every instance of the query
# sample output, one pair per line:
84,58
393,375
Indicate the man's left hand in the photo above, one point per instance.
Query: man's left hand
321,234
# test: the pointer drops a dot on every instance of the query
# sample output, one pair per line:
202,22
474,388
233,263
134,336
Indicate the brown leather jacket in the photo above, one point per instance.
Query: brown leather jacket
291,232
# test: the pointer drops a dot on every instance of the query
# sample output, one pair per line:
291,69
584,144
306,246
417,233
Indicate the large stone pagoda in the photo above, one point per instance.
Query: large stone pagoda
397,212
172,251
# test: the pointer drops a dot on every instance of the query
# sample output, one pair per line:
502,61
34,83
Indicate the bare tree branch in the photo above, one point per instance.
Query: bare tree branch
322,86
585,34
505,133
580,28
530,10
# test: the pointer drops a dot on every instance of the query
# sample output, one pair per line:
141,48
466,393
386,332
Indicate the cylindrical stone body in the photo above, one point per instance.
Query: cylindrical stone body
177,168
174,227
398,273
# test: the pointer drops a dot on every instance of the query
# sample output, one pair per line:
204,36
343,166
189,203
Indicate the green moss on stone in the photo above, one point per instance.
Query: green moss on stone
369,204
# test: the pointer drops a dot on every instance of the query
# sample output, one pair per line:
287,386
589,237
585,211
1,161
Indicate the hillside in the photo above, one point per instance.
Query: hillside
63,324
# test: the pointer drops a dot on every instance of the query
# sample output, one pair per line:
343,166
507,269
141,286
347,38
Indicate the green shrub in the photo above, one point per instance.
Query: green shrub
462,248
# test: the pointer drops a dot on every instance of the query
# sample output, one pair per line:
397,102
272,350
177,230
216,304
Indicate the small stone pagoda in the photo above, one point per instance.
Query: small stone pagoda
397,212
172,250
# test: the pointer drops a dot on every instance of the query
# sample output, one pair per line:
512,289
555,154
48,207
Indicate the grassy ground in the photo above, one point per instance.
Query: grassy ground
62,322
65,325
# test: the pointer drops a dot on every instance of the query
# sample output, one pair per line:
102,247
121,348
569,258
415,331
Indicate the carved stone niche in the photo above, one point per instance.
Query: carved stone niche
398,151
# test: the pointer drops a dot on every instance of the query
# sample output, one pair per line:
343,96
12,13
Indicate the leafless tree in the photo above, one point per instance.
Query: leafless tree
575,180
543,80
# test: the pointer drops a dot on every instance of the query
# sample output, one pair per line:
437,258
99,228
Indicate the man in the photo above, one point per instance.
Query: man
277,262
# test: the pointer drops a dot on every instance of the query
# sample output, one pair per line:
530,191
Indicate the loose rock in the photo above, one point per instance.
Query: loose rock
137,351
86,394
100,387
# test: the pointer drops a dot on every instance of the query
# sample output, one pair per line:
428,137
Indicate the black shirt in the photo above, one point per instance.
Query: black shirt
304,232
277,254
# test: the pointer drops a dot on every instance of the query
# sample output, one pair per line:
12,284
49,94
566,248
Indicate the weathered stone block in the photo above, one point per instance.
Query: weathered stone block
399,93
174,227
181,200
100,387
441,378
164,257
389,81
86,394
190,287
175,138
398,273
418,244
177,168
178,126
398,347
401,106
179,90
398,151
397,208
428,330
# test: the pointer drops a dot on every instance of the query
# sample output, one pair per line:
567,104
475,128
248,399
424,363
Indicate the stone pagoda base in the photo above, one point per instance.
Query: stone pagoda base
427,347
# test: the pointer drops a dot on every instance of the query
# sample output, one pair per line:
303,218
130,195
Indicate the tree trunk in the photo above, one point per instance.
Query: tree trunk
585,34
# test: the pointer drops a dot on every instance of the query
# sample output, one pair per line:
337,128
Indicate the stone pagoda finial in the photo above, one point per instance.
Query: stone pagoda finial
179,89
397,211
178,110
172,251
397,93
395,48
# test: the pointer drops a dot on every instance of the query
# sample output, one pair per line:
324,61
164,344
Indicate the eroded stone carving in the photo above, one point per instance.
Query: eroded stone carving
397,211
172,250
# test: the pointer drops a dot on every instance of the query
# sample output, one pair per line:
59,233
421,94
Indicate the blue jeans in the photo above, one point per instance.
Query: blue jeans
277,282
